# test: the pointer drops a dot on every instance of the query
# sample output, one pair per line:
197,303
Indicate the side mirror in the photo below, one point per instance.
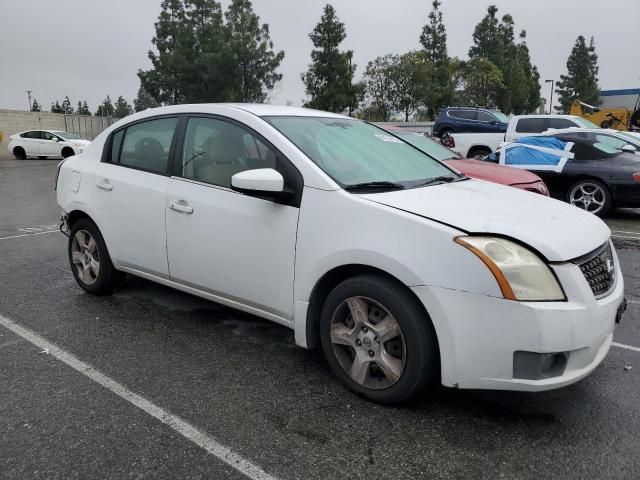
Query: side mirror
55,139
263,182
629,148
493,122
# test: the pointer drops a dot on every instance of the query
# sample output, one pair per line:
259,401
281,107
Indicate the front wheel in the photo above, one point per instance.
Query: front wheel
90,261
378,340
590,195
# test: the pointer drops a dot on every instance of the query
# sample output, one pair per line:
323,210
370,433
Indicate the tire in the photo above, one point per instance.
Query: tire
590,195
42,158
478,153
444,132
67,152
19,153
85,252
384,371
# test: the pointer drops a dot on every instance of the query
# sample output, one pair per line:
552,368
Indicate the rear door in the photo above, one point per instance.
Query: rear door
129,193
466,120
30,141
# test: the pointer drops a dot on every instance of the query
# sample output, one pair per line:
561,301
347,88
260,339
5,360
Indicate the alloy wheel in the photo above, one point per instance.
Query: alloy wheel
588,196
368,343
85,257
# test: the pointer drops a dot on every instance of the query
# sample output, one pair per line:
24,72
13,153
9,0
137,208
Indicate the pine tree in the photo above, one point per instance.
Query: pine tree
122,108
254,60
434,43
494,40
329,79
434,36
144,100
83,108
163,80
106,109
35,106
581,80
56,108
66,105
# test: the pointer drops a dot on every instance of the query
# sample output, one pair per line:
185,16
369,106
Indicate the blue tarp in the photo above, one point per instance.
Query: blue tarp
517,154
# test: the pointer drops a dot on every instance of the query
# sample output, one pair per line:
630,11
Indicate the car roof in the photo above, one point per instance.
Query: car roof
545,115
260,110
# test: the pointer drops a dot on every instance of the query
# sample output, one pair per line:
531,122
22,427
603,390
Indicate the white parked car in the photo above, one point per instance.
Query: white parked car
404,271
478,145
45,144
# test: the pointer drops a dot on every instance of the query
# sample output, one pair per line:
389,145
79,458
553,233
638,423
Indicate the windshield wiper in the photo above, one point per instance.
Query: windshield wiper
443,179
375,186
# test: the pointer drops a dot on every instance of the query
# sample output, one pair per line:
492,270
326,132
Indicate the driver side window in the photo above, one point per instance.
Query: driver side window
48,136
215,150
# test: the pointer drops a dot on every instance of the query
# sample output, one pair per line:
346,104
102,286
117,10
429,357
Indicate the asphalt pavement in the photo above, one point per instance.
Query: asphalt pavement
155,383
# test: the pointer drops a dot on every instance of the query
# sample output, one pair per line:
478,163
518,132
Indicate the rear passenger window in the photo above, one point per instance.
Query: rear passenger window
116,143
146,145
530,125
32,135
559,123
464,114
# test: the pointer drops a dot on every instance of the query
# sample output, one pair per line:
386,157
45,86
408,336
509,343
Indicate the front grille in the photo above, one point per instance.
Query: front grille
598,269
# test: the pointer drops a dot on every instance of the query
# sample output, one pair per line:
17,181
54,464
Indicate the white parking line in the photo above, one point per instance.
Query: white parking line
626,347
623,231
633,302
191,433
29,234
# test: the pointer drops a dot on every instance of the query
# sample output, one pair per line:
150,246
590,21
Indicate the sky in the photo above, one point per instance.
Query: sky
87,49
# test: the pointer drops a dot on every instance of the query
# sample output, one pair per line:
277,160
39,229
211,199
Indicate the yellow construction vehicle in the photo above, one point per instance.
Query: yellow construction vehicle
617,118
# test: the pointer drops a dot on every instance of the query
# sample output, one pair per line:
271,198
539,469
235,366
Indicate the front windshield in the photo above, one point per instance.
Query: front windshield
584,123
428,146
500,116
67,135
354,152
630,137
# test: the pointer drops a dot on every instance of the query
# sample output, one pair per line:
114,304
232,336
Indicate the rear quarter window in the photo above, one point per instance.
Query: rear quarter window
530,125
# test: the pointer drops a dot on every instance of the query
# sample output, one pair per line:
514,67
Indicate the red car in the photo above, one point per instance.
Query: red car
513,177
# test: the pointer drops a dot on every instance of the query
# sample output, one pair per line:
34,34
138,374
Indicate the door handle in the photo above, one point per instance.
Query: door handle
181,206
104,184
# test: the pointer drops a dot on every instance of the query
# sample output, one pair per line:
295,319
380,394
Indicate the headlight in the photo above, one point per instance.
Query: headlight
520,273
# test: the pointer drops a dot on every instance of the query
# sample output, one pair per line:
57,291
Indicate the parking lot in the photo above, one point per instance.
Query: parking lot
155,383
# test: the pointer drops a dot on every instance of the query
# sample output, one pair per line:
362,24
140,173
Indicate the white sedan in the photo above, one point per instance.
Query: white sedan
405,272
45,144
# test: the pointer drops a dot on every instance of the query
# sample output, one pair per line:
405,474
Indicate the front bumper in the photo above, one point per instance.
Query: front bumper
480,335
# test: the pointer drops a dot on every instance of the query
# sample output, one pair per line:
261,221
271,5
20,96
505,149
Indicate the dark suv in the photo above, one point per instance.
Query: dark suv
469,120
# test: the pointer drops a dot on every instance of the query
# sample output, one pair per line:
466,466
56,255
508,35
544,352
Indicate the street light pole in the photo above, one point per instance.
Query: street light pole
551,98
29,92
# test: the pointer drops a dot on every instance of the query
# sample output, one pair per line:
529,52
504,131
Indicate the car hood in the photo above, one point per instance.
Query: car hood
492,172
557,230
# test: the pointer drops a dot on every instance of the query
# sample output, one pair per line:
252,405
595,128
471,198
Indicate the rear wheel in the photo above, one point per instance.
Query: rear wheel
19,153
90,261
478,152
591,195
378,340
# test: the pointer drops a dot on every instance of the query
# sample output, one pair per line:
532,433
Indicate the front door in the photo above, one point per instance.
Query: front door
50,145
237,247
129,193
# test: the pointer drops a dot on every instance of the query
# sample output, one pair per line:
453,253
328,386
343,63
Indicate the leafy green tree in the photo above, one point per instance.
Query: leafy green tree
481,80
200,58
254,60
106,109
83,109
581,80
122,108
378,84
329,79
35,106
144,100
411,76
56,108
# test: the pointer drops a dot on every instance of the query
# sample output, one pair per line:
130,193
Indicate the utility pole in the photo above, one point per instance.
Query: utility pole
29,92
550,99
